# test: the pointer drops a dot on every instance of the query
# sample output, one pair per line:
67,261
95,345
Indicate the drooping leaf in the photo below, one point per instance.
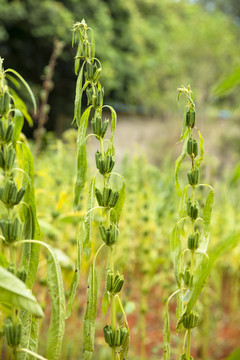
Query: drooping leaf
178,165
26,85
78,96
175,245
201,153
18,124
20,105
207,211
58,310
166,333
76,276
229,84
113,124
30,335
89,219
116,213
15,293
89,323
81,157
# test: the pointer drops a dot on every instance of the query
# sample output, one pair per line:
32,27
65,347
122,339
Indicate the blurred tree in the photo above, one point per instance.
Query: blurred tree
147,47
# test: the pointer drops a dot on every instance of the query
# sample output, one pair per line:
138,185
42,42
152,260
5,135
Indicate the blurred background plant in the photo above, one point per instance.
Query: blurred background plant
147,48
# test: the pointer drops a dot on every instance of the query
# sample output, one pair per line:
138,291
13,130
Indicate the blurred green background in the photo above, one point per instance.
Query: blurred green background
148,48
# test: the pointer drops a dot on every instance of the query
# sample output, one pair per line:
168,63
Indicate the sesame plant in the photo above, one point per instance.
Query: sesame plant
20,236
190,236
103,190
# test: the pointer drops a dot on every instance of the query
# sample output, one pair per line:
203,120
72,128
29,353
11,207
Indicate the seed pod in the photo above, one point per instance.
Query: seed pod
2,132
118,284
195,148
107,192
190,320
89,72
10,190
10,158
20,195
99,197
11,268
9,331
190,147
9,132
98,126
2,161
89,94
22,274
190,118
94,101
124,334
110,280
193,241
187,277
113,199
108,335
4,103
117,337
97,157
97,74
104,127
17,334
102,232
194,212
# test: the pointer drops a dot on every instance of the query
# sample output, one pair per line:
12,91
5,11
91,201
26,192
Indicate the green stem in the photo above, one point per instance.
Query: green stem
189,345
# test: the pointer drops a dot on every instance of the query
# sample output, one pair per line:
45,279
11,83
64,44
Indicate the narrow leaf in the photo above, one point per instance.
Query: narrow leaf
76,276
20,105
115,215
58,311
89,219
18,124
178,165
166,333
78,97
81,157
89,323
201,145
175,245
207,211
26,85
15,293
30,335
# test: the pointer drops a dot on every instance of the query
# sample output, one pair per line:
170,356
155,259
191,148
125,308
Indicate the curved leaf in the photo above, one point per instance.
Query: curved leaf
18,124
15,293
89,219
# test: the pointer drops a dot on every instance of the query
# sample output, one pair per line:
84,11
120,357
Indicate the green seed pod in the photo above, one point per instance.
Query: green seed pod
195,148
93,124
187,277
4,103
2,132
9,132
10,158
118,284
97,157
105,127
9,189
22,274
190,320
102,232
190,147
193,241
194,212
107,192
20,195
11,268
99,197
110,280
190,118
97,74
17,334
9,331
2,161
117,337
94,101
108,335
89,72
124,334
98,126
89,93
113,199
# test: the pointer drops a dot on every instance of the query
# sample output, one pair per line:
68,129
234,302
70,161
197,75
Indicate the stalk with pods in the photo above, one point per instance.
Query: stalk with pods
101,189
190,236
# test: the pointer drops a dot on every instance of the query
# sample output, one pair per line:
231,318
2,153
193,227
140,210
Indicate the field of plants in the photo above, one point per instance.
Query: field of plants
120,239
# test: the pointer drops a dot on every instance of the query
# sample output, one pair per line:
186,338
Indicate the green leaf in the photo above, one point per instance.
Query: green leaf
201,144
116,213
89,323
81,157
175,245
26,85
78,97
113,123
29,338
3,261
125,347
76,276
166,333
58,311
235,355
89,219
18,124
229,84
20,105
92,44
15,293
31,230
207,211
178,165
